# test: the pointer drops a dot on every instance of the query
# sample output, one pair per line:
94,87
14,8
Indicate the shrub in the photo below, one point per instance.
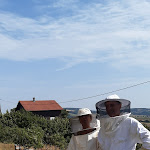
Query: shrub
29,130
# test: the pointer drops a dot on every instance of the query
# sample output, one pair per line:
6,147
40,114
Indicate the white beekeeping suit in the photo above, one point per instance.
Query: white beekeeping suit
87,140
84,142
120,132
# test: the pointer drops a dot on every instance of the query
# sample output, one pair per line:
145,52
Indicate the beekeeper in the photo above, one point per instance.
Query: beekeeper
85,130
118,130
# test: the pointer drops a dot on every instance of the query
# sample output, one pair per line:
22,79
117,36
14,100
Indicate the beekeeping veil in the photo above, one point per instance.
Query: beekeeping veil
110,124
101,109
76,126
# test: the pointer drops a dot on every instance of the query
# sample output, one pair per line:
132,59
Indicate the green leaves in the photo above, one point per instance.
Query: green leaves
29,130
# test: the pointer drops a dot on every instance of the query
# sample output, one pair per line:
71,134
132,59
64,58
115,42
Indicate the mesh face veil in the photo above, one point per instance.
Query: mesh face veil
76,125
101,108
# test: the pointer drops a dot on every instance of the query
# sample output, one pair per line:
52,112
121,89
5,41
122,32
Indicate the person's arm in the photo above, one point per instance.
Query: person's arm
71,144
142,133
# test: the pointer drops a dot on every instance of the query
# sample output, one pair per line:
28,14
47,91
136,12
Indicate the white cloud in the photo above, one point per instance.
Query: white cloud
115,31
64,3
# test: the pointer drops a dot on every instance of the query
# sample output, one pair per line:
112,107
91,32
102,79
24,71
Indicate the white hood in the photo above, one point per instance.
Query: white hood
110,124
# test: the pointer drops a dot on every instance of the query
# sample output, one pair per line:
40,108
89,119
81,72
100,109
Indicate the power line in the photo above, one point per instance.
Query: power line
80,99
121,89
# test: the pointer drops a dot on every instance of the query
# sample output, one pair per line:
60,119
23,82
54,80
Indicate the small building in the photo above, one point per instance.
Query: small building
46,108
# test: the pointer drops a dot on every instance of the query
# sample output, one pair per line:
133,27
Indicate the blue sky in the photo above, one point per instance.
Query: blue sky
70,49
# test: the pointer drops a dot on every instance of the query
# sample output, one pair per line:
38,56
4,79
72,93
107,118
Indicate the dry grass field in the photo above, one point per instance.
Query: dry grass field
12,147
143,119
7,146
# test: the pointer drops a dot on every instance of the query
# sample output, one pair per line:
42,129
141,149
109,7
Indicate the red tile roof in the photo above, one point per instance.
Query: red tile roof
40,105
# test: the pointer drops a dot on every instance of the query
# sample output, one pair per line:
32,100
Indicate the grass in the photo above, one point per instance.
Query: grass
12,147
145,120
7,146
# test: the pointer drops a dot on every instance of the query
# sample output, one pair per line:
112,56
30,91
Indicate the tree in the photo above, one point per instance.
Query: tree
29,130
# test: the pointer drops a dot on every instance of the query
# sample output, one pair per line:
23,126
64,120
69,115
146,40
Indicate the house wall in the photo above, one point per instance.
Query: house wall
19,106
47,114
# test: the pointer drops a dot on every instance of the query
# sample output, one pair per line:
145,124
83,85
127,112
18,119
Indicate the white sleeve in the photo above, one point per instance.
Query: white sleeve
71,144
142,133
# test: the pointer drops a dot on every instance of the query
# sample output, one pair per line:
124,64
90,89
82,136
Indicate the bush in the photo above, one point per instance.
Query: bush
29,130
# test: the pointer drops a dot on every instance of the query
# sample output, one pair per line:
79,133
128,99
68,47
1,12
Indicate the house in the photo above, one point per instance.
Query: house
46,108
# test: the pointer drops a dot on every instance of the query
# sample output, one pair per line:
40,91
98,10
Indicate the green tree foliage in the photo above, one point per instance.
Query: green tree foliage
58,140
64,114
29,130
138,146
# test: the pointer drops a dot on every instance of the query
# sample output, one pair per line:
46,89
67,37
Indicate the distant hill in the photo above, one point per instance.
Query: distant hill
140,111
134,111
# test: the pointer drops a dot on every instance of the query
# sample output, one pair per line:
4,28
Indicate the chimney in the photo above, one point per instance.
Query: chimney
33,99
